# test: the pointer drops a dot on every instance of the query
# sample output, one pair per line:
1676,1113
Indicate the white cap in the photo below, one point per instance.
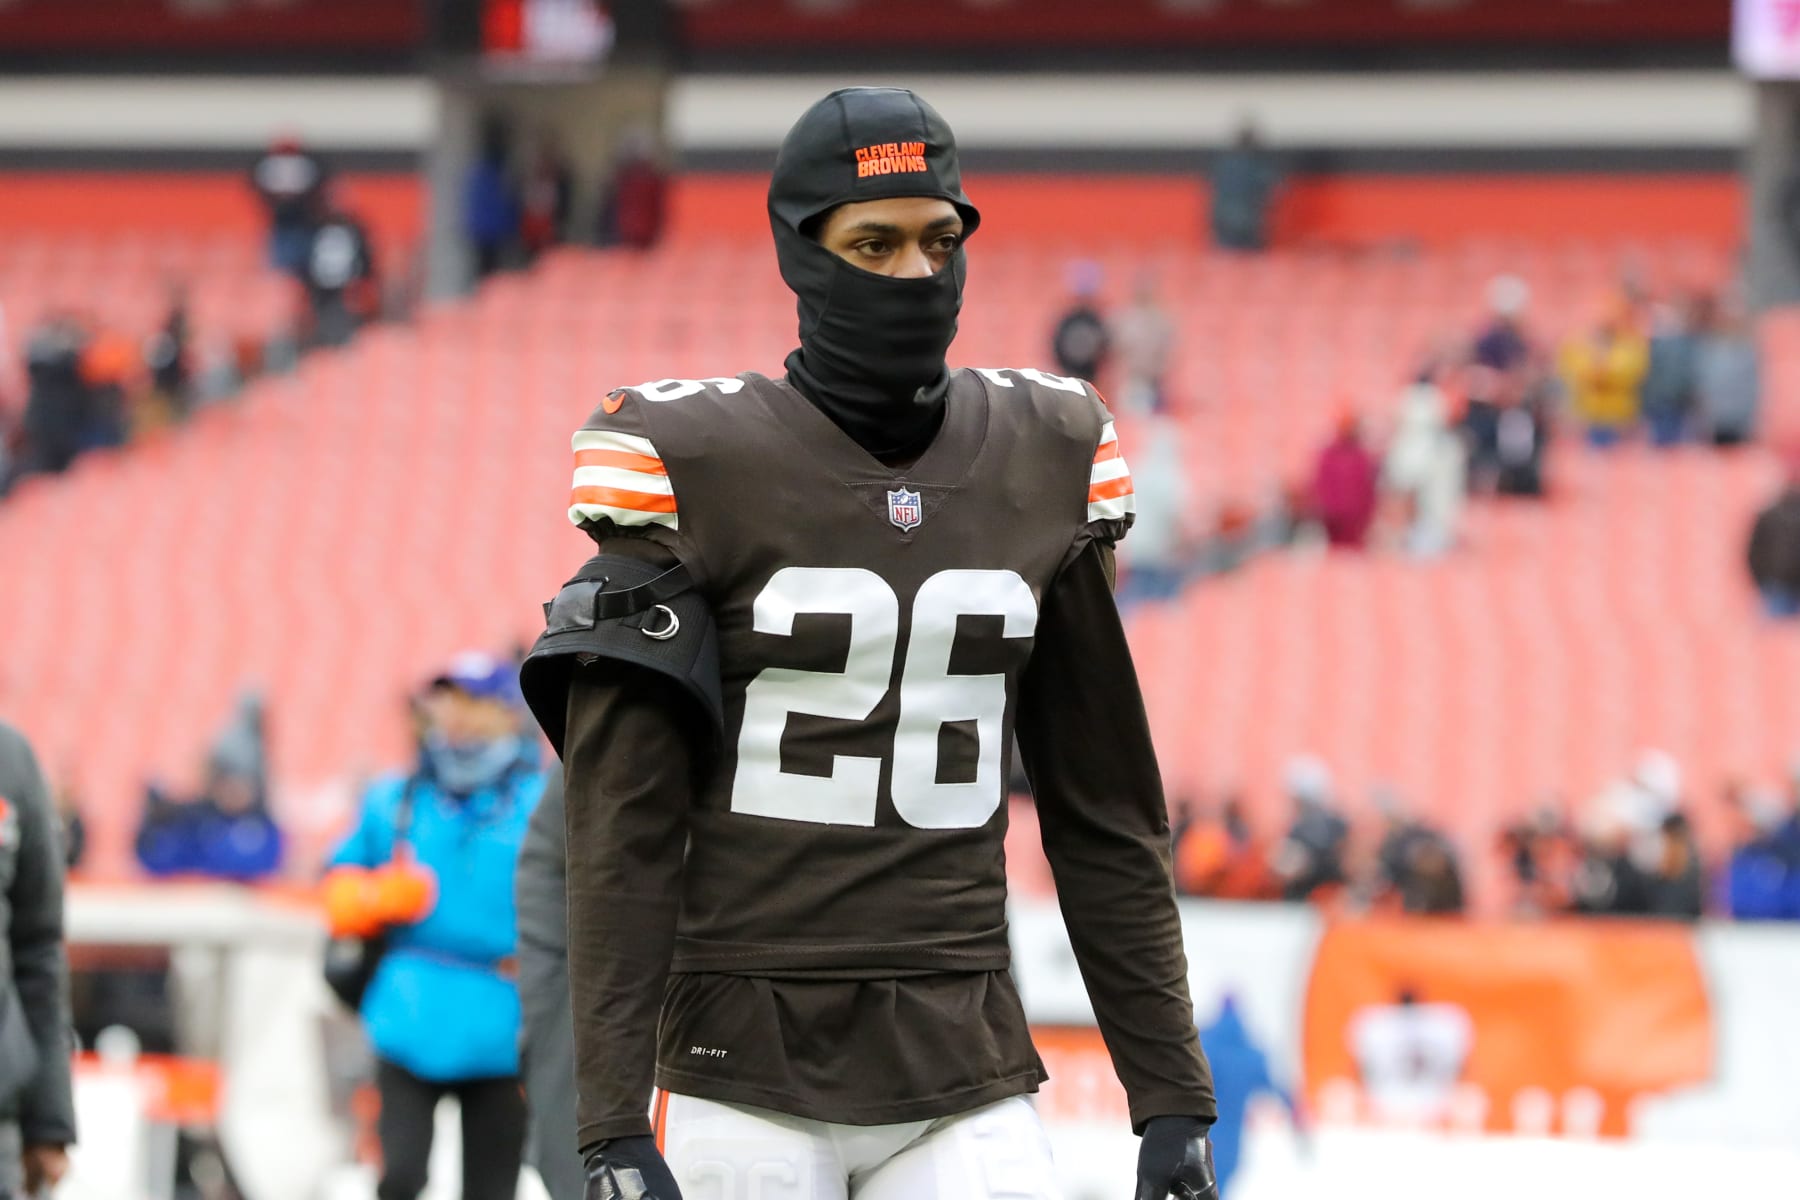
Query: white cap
1659,775
1306,777
1508,295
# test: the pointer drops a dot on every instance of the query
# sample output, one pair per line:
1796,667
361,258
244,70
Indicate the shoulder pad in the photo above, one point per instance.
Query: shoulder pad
620,478
1082,414
629,610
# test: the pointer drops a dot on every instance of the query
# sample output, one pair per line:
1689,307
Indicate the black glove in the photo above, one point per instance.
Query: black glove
1174,1160
630,1168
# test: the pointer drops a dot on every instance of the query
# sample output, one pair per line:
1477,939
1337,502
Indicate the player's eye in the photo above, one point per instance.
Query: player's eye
873,247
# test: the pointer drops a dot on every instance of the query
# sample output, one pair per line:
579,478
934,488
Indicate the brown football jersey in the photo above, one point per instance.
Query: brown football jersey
873,625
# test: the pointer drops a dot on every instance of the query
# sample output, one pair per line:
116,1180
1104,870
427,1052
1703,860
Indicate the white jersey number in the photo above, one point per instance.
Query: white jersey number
930,697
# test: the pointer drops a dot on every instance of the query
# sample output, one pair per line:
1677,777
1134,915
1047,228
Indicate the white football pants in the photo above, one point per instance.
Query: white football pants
734,1152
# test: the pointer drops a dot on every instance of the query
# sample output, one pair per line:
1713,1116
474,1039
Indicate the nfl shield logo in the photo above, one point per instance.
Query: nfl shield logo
904,509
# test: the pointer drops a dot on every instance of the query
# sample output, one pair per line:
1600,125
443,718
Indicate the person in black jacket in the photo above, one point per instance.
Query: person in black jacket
290,182
1080,341
547,1042
37,1107
1774,552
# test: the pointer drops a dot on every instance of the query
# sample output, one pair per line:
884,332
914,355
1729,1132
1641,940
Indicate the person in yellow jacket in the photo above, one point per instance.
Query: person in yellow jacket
1604,373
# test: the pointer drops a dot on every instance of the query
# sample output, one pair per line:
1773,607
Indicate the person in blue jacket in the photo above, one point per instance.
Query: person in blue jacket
1240,1074
1762,877
227,831
429,866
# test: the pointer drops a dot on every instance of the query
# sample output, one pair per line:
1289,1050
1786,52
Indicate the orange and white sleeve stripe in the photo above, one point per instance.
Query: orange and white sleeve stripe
620,477
1110,497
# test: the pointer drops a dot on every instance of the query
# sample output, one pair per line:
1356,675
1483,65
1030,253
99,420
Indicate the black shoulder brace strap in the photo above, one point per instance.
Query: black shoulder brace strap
626,610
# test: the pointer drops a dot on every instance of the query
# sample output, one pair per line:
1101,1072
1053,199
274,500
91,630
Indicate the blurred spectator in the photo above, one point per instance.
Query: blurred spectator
1656,778
1343,491
223,367
1426,472
1239,534
1156,565
290,181
37,1109
490,207
545,199
1603,372
1728,376
1606,881
1240,1071
166,356
1498,377
58,406
1311,856
1244,182
633,210
1774,554
1079,341
429,870
1144,337
1541,854
1762,877
225,832
74,825
1669,381
1431,884
1218,856
1521,436
1417,865
1502,345
110,367
547,1049
1676,886
340,279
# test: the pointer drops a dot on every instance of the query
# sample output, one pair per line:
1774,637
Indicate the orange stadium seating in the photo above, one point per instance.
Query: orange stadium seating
339,532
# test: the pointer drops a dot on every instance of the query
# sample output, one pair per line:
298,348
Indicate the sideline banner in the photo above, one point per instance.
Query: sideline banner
1559,1030
1556,1028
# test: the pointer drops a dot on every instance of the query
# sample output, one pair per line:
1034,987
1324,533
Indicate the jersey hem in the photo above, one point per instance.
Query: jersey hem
928,1108
986,950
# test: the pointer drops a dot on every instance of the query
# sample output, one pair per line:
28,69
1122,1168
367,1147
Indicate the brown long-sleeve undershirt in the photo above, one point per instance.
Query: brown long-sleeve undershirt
632,763
1105,829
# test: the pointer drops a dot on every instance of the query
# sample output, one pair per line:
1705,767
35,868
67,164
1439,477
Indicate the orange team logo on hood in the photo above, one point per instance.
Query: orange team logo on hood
890,158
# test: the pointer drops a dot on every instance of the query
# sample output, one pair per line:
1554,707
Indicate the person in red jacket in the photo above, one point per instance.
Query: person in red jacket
1344,486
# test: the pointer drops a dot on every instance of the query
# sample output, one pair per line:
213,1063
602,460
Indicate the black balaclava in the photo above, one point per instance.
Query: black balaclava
872,347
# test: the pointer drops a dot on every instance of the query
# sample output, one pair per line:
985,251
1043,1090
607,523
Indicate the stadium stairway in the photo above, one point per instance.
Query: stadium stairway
337,533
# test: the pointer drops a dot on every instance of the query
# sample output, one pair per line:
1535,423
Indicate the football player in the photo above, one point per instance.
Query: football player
785,693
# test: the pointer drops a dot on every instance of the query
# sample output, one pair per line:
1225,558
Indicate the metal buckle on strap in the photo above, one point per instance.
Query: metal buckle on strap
645,596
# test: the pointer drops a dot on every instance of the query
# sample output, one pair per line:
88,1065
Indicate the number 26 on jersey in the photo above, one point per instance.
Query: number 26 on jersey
930,696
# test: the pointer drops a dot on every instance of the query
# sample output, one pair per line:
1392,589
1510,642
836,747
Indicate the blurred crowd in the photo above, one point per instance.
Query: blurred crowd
319,241
91,386
1479,414
1629,851
1476,418
520,198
